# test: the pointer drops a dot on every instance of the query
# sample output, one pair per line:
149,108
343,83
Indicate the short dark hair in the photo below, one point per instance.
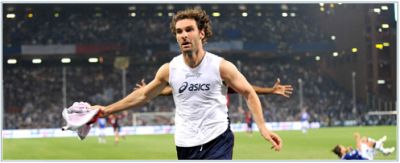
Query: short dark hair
337,150
199,15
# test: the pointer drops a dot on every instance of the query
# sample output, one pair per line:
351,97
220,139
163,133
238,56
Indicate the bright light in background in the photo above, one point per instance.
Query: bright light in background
284,14
10,16
354,50
379,46
335,54
259,14
381,81
386,44
339,3
12,61
321,4
377,10
66,60
36,61
170,14
133,14
216,14
292,14
244,14
333,37
322,9
160,14
30,15
317,58
93,60
56,14
384,8
380,29
385,25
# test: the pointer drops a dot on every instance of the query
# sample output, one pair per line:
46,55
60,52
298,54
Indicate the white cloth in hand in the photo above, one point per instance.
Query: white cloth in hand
77,116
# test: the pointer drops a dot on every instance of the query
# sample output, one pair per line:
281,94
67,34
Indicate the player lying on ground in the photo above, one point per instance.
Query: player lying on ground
365,149
278,89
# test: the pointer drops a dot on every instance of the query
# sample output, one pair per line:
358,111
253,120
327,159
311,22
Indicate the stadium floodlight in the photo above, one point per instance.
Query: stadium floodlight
322,9
293,14
333,37
93,60
10,16
317,58
12,61
216,14
284,14
385,25
377,10
384,8
133,14
381,81
170,14
244,14
56,15
386,44
36,60
335,54
321,4
159,14
354,50
30,15
65,60
379,46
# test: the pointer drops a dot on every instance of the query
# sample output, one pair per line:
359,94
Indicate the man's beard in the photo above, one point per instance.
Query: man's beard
189,53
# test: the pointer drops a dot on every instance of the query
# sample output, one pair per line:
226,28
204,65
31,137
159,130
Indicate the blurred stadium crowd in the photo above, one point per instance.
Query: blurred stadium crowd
33,93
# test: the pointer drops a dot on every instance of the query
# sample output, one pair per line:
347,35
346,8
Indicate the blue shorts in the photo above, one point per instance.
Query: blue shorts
220,148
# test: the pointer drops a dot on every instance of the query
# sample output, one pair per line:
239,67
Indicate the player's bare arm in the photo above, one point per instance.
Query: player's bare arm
357,138
140,96
235,80
167,91
283,90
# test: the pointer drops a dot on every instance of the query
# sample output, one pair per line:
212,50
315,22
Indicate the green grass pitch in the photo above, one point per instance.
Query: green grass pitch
314,145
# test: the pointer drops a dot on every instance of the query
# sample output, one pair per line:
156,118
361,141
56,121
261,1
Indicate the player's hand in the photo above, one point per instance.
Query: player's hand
102,113
140,85
283,90
356,135
274,139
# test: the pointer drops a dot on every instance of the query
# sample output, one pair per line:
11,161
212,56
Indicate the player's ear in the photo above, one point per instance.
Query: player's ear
202,34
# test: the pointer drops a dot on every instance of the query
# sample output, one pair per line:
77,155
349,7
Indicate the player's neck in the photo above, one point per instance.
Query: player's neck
194,58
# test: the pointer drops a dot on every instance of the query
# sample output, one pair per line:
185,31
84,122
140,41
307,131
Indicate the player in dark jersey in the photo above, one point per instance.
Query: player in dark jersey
115,121
365,150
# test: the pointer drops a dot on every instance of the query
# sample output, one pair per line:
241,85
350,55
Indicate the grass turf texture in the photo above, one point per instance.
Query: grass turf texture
314,145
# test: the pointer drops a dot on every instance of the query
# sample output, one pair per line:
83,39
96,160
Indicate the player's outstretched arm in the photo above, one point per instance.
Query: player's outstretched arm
140,96
165,92
283,90
357,138
235,80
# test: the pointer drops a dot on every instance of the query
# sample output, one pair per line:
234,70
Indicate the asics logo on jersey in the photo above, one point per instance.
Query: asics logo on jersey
183,87
194,87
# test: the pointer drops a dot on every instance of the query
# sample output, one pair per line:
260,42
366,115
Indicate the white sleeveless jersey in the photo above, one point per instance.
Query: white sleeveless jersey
200,99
